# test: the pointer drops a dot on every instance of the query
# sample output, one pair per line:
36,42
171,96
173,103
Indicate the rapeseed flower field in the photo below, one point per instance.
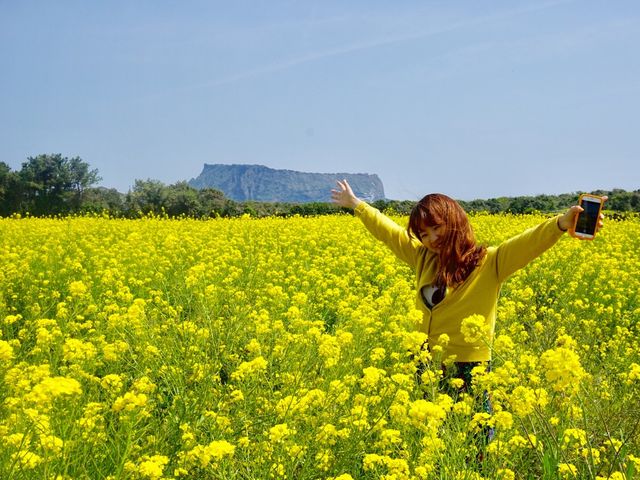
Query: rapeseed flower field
288,348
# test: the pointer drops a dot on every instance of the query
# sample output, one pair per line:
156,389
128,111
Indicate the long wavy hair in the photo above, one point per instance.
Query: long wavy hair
458,252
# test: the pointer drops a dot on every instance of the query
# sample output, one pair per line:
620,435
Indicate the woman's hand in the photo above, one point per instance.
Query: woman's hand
344,196
567,221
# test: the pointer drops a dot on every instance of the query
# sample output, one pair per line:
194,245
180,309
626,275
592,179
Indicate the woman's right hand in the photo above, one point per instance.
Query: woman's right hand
344,196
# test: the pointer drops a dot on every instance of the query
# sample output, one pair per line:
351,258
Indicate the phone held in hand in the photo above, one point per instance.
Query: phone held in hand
586,222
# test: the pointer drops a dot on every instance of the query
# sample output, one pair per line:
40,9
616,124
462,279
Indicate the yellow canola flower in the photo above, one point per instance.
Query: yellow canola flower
632,377
323,459
254,367
253,346
562,369
11,319
344,338
48,333
372,376
403,380
635,460
613,476
518,441
591,454
328,434
456,383
423,471
129,402
153,467
574,438
506,474
112,351
92,424
359,417
414,341
523,401
474,329
51,443
279,432
567,470
16,440
378,354
75,350
396,467
77,289
143,385
425,414
329,349
390,437
480,421
112,383
237,396
503,420
464,406
26,459
53,387
215,451
503,344
6,352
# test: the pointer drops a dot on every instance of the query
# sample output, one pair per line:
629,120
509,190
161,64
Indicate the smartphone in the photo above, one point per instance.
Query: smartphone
586,223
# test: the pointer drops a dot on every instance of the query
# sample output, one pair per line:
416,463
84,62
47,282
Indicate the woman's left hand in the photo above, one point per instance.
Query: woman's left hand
567,221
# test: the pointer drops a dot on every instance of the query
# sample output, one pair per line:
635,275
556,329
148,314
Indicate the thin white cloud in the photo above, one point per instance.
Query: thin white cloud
376,43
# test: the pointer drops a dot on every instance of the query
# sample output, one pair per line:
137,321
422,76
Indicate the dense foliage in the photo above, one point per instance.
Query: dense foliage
55,185
287,348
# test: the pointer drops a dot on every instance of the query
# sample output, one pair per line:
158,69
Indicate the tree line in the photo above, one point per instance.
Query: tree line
50,184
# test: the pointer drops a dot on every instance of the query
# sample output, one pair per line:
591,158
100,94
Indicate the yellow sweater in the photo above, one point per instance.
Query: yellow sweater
478,294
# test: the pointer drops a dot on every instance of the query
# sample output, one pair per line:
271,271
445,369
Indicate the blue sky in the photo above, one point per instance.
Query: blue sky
472,99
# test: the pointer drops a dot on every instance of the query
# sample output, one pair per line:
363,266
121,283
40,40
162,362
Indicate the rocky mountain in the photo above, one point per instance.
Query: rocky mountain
264,184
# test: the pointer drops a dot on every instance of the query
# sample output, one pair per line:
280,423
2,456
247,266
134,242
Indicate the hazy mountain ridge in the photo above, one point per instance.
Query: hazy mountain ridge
259,183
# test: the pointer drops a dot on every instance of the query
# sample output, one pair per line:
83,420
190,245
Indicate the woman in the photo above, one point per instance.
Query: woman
455,277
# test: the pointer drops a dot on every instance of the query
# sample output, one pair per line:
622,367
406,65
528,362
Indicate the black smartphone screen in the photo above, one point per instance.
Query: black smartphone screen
588,219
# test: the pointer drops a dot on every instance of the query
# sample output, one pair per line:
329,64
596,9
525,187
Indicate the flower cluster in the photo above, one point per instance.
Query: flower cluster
292,348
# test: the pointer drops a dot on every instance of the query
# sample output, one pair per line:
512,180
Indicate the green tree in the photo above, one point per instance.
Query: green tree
526,205
81,178
635,201
182,199
53,184
147,196
212,202
102,199
9,190
620,200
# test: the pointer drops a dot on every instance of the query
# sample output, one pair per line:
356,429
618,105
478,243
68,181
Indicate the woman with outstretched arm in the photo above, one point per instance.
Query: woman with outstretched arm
455,277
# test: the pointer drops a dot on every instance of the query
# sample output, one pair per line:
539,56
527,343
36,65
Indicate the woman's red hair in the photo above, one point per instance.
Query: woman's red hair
458,252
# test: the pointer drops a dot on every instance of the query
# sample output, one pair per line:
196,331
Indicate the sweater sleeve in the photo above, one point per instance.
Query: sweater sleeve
515,253
389,232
